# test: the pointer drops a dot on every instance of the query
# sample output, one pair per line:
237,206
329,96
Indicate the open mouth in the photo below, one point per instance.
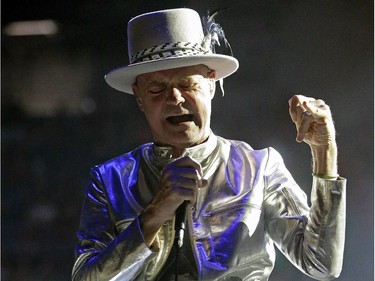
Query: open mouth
180,118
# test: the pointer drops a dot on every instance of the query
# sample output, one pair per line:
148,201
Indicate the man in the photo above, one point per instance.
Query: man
239,202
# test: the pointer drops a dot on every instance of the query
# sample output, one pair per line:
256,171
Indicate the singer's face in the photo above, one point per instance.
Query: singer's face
177,104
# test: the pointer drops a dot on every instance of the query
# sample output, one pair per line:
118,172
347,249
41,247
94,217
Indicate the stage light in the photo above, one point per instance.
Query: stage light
29,28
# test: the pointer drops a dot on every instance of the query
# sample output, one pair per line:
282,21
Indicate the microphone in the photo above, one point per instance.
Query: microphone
180,223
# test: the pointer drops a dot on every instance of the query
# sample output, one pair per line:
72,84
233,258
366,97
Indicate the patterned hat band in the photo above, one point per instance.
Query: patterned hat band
177,49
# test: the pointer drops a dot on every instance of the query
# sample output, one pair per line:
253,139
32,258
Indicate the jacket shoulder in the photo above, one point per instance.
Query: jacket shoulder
247,148
123,161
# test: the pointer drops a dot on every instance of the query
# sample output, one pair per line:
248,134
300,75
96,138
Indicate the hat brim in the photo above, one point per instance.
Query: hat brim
123,78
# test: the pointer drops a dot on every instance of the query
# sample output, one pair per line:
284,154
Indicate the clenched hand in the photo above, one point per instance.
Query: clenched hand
314,124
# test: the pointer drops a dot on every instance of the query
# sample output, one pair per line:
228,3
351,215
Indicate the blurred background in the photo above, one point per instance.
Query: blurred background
59,118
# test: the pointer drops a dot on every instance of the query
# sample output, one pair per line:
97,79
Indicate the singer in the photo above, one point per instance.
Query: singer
233,203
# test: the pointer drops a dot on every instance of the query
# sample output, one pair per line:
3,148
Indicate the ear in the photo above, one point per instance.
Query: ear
211,74
137,96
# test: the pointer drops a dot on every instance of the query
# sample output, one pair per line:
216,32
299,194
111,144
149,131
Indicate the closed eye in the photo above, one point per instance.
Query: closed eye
189,87
156,90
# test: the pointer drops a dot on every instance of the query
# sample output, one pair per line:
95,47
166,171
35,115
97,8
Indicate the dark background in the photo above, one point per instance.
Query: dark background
59,117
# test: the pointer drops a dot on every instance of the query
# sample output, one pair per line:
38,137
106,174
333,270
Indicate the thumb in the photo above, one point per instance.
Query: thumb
204,182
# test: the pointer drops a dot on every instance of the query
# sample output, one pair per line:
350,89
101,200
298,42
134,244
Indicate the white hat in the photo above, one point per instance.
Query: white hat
170,39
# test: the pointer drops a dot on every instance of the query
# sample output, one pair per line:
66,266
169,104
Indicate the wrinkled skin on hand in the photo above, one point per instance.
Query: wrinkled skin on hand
179,182
313,120
314,124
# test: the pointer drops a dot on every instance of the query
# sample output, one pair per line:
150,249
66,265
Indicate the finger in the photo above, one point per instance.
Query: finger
204,182
181,183
176,174
185,182
187,161
184,192
176,190
295,106
304,125
186,167
318,109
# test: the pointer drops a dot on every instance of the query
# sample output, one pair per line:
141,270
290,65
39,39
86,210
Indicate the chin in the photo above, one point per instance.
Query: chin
190,141
183,138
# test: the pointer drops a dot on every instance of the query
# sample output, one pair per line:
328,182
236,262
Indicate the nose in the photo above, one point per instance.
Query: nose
175,97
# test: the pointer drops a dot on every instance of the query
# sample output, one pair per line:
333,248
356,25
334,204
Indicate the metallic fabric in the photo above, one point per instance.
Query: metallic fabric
251,204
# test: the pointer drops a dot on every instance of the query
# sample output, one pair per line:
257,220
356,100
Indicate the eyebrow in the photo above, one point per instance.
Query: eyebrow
178,80
149,82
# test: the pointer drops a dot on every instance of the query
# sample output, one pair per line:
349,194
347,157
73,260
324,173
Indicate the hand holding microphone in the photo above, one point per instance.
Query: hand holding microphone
178,186
190,179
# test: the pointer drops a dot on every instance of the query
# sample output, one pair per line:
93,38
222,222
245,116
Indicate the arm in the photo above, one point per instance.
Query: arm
102,253
311,237
109,252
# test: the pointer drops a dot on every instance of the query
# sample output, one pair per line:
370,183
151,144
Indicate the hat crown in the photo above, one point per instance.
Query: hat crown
162,27
171,39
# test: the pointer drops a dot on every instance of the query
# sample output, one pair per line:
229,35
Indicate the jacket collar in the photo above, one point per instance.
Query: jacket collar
159,156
